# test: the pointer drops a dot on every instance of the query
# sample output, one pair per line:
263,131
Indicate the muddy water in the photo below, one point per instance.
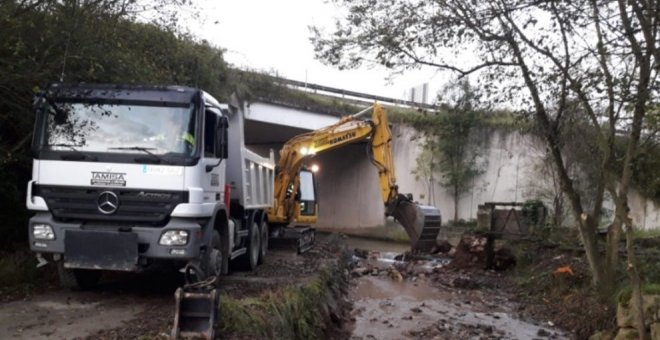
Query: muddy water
386,249
418,308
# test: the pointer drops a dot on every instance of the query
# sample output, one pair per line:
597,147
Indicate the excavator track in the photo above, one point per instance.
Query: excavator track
421,222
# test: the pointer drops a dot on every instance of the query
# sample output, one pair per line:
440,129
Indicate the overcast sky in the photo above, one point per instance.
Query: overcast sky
274,36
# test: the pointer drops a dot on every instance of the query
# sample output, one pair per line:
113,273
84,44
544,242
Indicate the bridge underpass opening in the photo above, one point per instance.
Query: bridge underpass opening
348,193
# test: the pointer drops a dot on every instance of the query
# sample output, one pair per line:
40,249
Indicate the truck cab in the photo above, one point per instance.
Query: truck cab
128,177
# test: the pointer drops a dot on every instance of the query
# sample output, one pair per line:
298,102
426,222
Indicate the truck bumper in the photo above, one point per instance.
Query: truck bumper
104,246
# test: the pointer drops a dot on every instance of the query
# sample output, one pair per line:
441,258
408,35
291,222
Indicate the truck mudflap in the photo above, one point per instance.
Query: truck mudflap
196,314
421,222
100,250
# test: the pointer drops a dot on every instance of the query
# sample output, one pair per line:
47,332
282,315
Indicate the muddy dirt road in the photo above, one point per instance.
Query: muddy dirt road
121,302
128,306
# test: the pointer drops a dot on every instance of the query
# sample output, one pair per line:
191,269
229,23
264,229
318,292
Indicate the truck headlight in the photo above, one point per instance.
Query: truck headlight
174,238
42,232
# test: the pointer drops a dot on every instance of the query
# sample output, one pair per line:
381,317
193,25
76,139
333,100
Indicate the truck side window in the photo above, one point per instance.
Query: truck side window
210,123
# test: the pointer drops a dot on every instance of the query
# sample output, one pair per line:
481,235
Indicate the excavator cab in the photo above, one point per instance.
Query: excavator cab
308,208
300,202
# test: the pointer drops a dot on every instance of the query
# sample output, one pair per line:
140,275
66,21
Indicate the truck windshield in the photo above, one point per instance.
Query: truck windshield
120,128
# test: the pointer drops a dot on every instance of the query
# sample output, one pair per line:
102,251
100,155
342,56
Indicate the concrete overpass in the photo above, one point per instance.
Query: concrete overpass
348,188
347,181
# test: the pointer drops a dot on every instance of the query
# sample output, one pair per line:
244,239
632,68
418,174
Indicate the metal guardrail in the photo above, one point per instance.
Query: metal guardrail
301,84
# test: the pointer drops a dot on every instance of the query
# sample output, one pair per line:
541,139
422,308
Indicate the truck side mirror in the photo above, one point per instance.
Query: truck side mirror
221,146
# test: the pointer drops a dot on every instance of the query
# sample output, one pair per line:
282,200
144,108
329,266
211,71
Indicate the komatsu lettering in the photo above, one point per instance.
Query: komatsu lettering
335,140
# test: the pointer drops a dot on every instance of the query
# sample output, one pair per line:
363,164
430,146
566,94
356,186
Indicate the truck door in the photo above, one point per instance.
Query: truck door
213,181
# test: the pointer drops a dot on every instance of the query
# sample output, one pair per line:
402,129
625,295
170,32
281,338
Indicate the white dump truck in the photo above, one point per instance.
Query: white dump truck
128,177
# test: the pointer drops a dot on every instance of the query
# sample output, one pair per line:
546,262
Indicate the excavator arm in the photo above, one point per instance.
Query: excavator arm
350,129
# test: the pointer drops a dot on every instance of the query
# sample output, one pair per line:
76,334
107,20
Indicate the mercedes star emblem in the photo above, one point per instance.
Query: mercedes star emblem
108,202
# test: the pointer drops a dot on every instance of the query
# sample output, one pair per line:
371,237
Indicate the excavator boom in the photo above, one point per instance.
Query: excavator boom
422,223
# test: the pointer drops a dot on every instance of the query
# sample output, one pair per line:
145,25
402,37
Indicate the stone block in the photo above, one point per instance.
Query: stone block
627,334
655,331
625,316
602,335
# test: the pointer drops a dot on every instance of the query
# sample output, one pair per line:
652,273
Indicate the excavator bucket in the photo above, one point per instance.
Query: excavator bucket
421,222
196,313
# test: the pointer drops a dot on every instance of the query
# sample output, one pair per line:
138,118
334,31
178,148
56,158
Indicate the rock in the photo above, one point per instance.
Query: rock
651,306
386,303
655,330
543,332
504,259
374,272
624,316
627,334
464,283
477,244
361,253
359,271
402,257
395,275
602,335
443,246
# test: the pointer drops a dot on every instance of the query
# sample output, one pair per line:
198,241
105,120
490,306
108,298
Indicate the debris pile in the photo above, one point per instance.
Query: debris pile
468,255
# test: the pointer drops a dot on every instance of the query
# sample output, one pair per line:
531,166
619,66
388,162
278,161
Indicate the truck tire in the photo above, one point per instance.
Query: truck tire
265,234
77,279
250,259
217,260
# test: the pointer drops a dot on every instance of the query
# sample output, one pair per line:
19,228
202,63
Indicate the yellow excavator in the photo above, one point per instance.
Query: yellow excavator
295,205
295,210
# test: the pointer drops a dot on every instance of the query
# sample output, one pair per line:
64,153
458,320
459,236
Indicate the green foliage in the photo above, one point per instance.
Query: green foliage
533,211
625,293
18,268
270,88
645,175
295,312
450,148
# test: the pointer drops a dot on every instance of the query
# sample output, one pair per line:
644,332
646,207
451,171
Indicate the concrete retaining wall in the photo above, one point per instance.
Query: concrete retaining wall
515,171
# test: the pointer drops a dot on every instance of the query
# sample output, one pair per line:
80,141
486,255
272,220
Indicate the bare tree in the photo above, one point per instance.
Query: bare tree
542,56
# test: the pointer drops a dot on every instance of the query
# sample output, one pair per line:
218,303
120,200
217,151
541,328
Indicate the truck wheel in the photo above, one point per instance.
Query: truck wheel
265,233
216,260
77,279
250,260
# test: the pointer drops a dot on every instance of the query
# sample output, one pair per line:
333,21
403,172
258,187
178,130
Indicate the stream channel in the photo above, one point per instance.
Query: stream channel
391,301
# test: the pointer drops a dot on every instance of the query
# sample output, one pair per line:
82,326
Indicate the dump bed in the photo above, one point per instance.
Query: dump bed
250,175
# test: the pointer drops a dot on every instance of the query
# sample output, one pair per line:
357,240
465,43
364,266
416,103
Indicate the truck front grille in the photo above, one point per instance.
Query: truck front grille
82,203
